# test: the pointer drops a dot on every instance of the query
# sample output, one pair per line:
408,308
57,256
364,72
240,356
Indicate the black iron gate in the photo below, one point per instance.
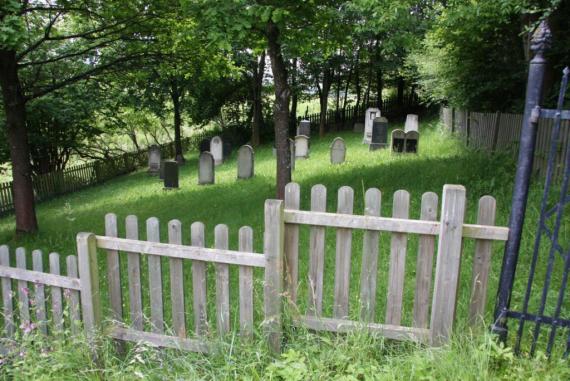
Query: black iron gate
543,318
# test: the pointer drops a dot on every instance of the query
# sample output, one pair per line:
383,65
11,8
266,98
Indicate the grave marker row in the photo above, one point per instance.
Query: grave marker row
405,142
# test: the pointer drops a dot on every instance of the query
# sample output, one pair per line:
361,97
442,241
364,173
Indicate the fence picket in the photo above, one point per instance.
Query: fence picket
177,281
23,291
155,278
398,248
39,293
246,284
134,276
113,270
74,300
199,281
292,201
369,271
56,296
424,262
317,252
7,305
343,255
222,282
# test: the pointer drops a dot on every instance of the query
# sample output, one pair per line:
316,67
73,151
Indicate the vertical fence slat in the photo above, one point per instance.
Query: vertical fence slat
89,280
343,255
199,281
222,282
113,270
292,201
369,271
481,262
56,296
448,263
177,281
39,293
7,305
398,248
134,276
246,284
424,263
23,291
317,252
155,278
74,311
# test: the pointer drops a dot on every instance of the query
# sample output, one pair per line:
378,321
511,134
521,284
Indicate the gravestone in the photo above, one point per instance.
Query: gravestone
412,139
379,134
227,149
154,160
170,174
358,127
204,145
304,128
206,168
412,123
216,149
302,146
338,151
245,162
398,141
292,153
371,113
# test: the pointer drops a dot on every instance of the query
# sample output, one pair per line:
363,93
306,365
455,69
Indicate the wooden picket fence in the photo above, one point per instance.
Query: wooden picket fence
146,320
500,131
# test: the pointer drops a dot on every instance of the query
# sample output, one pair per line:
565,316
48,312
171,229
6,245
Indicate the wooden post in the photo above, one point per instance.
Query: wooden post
8,308
177,281
221,241
343,256
39,293
448,264
246,285
292,197
89,280
369,272
273,241
114,269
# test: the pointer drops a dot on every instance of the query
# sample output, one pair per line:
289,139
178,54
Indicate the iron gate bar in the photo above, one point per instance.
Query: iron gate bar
552,114
563,323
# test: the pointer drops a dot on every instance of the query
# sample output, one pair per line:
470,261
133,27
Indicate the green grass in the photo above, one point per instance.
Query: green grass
442,160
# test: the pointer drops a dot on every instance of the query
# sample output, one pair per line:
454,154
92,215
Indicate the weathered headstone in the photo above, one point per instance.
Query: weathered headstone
412,140
206,168
205,145
216,149
338,151
302,146
292,152
398,141
154,160
245,162
170,174
412,123
358,127
371,113
304,128
379,134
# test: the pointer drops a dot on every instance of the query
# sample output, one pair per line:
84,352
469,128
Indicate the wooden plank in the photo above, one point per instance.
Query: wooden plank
39,293
38,277
389,331
395,225
481,262
177,281
74,300
114,270
56,294
134,272
292,201
199,285
222,283
448,264
369,270
90,291
7,306
246,284
155,278
317,252
397,272
23,290
158,340
230,257
343,256
424,263
273,287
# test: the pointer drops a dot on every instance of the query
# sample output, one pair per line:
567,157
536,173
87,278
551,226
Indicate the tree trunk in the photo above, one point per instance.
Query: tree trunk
294,99
358,86
15,110
257,101
324,99
280,109
175,95
337,101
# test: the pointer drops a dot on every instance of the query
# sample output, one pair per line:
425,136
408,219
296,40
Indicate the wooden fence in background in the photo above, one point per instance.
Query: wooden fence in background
501,131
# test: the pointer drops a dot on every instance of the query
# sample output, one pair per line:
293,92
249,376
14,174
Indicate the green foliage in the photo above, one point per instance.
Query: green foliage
12,26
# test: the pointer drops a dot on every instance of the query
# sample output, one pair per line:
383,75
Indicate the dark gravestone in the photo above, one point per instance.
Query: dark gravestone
170,174
412,139
204,145
398,141
379,134
304,128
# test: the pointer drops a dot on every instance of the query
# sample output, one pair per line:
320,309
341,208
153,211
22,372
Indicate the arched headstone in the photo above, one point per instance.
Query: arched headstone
170,174
302,146
412,123
412,140
217,150
154,159
379,134
398,141
245,162
206,168
338,151
304,128
371,113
